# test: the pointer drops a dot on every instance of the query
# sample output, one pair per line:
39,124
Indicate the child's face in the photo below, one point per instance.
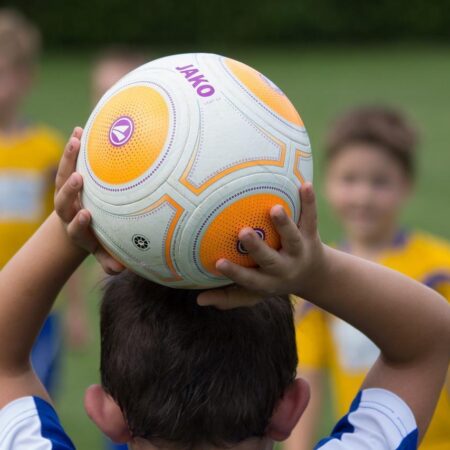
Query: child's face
105,75
366,187
15,82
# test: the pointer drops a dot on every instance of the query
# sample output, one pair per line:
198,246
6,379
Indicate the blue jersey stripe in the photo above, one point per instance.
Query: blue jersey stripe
343,426
436,278
410,441
376,415
51,428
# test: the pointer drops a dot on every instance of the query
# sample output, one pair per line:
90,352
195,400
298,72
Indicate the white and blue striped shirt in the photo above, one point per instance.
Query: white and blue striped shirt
378,420
30,423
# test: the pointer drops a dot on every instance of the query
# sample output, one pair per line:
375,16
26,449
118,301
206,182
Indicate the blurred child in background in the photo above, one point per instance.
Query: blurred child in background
29,155
370,174
109,67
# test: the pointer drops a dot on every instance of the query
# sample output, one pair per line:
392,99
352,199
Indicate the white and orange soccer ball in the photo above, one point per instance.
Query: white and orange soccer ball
180,155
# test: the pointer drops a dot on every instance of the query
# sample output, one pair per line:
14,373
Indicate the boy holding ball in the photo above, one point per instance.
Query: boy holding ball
177,374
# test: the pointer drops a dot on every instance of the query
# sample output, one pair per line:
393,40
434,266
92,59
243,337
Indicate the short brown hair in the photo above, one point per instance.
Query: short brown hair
20,40
384,127
187,375
123,54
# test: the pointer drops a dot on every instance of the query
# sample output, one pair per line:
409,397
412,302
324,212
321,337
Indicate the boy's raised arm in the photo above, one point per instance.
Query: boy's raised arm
29,284
31,280
409,322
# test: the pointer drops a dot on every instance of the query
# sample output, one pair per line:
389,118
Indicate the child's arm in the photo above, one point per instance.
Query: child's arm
30,282
409,322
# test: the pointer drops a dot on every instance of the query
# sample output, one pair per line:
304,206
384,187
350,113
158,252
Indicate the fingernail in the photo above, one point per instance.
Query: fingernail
247,234
221,264
74,182
279,212
74,131
82,218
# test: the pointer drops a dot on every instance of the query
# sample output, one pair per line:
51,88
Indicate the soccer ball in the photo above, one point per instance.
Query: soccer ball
180,155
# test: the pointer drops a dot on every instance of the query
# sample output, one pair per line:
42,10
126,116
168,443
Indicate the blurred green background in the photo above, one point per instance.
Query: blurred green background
325,58
255,22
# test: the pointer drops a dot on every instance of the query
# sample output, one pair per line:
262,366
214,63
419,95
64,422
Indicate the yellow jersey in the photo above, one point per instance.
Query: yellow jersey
325,342
28,162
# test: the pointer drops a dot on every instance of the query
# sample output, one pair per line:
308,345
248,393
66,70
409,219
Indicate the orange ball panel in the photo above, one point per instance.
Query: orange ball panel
264,90
221,237
149,114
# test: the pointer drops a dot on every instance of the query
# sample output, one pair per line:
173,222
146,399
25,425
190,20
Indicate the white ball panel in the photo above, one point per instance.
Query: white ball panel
143,240
228,146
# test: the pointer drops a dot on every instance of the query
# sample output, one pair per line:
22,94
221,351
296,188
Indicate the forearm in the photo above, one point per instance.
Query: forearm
29,284
404,318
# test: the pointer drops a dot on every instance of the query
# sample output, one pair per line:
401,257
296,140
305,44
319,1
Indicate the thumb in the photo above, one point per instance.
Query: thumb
308,217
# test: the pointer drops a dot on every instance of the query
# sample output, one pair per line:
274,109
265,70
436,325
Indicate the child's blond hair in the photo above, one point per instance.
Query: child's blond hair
20,40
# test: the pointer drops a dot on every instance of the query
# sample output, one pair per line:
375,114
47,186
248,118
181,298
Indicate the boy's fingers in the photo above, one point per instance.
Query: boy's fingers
79,232
291,241
249,278
261,253
66,198
110,265
68,162
308,216
77,132
228,298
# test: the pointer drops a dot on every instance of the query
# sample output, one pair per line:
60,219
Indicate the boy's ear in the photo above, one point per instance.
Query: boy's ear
288,410
106,414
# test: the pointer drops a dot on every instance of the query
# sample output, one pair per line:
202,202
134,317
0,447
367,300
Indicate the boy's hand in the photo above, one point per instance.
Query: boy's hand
76,220
297,263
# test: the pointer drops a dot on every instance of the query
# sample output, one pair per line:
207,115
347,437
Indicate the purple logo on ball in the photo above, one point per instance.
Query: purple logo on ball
121,131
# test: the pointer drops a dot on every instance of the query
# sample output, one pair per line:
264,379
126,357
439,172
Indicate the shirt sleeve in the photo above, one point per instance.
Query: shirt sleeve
378,420
30,423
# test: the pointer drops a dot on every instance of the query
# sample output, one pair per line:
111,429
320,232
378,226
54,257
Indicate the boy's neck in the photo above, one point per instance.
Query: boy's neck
9,122
248,444
371,247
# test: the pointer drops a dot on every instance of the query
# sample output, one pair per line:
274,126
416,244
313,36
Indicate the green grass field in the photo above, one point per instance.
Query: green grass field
321,82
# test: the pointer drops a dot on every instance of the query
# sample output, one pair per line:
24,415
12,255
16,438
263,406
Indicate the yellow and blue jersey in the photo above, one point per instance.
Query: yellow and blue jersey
28,161
325,342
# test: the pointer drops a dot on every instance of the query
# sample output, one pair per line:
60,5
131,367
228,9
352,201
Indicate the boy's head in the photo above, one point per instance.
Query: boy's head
370,157
19,50
110,66
175,374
